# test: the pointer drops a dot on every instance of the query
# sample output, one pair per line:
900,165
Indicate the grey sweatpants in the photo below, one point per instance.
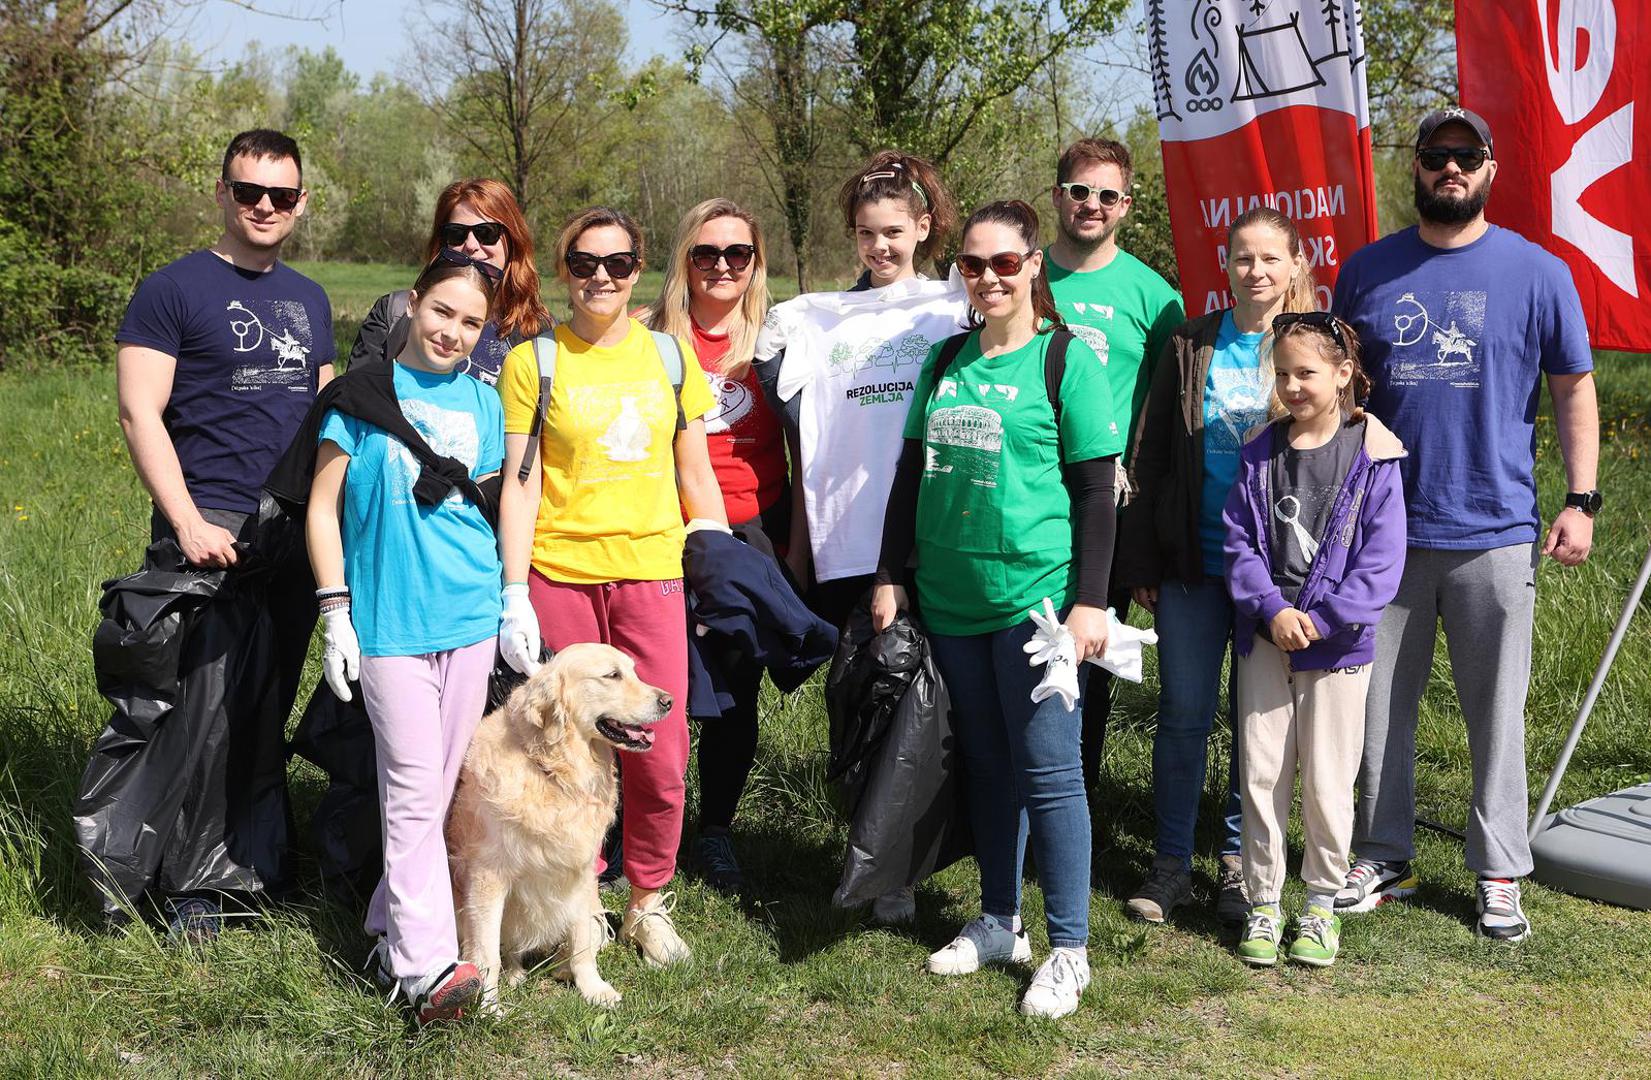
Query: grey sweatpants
1487,600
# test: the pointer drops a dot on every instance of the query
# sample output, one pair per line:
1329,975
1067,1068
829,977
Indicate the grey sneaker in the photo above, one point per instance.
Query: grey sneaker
1167,887
1232,904
978,943
1501,918
714,852
1371,882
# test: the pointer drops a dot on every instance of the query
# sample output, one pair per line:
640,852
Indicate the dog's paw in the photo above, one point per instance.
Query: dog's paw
490,1006
515,976
601,994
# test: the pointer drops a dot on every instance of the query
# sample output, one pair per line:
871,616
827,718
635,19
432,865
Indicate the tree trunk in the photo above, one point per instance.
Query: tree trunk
793,139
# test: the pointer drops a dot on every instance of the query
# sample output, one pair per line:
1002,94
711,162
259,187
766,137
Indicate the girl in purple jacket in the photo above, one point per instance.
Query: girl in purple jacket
1315,545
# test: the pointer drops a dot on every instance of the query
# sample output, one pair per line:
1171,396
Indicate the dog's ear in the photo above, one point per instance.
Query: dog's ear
542,700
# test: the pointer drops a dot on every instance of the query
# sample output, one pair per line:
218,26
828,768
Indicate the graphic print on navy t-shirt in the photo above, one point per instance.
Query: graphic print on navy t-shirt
1436,337
272,341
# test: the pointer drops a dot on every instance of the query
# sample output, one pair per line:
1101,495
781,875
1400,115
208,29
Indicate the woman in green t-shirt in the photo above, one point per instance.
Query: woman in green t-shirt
1004,492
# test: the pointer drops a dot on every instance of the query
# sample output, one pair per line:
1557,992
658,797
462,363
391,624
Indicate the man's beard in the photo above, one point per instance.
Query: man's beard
1448,210
1087,244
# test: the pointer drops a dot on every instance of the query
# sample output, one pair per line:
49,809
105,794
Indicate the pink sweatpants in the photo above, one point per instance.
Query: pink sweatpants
646,620
424,710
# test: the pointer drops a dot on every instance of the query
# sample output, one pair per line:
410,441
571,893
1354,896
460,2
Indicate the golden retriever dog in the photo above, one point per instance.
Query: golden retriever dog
535,797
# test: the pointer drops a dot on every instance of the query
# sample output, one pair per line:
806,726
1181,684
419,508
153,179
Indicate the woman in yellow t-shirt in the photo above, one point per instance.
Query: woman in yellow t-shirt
592,541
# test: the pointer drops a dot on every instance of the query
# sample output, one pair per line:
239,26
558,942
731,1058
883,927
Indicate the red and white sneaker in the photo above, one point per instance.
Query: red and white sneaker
445,996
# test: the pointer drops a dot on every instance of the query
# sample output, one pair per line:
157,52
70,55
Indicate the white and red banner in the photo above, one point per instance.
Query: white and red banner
1566,88
1261,103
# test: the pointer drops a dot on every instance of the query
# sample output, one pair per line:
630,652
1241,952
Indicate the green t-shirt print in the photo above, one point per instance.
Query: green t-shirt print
994,520
1126,313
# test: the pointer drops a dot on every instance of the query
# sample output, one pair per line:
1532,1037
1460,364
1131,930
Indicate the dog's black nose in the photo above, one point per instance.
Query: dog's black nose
664,704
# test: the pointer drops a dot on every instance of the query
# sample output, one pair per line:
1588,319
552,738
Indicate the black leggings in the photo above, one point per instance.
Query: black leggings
728,746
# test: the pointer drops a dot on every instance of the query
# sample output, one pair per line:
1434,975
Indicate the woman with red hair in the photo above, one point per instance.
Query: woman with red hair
479,217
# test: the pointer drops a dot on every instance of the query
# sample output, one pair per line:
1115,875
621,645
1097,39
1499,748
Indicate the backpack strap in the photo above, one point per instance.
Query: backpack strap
670,354
544,355
948,352
395,333
1054,369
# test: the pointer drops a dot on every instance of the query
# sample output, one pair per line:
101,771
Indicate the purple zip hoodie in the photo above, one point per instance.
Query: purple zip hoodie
1360,557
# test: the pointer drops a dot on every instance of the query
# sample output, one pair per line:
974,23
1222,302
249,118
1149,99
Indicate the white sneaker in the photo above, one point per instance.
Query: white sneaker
980,943
1058,985
1501,918
650,929
895,908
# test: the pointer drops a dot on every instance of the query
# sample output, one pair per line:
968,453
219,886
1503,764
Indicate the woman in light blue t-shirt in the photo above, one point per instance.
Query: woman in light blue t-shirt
1214,383
409,597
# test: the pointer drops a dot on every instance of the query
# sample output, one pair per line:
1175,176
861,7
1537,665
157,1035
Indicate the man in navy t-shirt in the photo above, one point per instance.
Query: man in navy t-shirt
1460,321
221,354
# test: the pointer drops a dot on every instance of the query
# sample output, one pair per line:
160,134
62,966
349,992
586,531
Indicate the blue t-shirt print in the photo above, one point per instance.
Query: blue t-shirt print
422,578
248,347
1236,395
1456,342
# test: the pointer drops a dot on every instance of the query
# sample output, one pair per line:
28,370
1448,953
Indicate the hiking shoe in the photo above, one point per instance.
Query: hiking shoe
1372,882
985,940
446,995
1058,985
1500,916
1263,928
1232,904
193,920
1318,937
377,966
651,930
1167,887
895,908
714,852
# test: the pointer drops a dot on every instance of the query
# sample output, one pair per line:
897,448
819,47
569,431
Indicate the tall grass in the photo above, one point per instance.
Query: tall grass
782,984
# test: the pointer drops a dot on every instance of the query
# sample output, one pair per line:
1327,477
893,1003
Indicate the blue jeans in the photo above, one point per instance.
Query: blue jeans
1024,773
1195,628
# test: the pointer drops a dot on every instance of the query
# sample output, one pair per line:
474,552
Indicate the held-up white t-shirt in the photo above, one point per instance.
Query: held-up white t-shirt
854,357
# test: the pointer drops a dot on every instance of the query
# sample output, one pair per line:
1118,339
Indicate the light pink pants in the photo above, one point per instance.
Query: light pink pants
424,710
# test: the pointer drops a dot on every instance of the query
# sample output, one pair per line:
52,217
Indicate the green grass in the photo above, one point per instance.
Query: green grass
782,984
353,287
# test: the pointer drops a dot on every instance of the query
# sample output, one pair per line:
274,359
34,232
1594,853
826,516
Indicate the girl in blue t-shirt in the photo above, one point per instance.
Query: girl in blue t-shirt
409,597
1213,383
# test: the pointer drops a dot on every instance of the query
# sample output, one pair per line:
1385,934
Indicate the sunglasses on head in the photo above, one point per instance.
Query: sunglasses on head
1322,321
249,194
620,265
1467,158
1003,264
705,256
487,233
1107,197
458,258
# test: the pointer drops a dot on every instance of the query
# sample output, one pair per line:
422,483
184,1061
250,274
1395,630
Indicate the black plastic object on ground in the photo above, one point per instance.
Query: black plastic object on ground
347,828
895,755
186,787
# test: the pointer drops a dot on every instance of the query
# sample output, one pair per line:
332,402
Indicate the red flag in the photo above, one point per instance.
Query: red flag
1261,104
1566,89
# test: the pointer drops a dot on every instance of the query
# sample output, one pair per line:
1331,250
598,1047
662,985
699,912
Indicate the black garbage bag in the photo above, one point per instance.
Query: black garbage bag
186,787
896,758
347,828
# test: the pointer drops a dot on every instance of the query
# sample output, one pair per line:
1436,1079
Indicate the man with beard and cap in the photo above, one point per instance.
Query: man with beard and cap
1123,310
1460,319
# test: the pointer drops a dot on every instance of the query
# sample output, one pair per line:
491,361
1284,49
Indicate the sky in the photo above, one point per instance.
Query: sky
365,32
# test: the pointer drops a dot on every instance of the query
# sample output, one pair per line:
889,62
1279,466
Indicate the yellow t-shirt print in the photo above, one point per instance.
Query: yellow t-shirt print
609,510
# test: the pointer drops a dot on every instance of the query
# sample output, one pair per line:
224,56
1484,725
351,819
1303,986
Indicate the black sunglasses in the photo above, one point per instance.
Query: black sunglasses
620,265
458,258
1322,321
705,256
1467,158
487,233
1003,264
249,194
1107,197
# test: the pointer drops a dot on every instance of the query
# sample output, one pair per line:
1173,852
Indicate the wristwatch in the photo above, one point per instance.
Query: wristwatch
1588,502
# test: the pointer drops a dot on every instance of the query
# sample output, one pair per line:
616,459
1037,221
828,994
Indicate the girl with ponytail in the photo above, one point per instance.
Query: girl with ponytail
1213,383
1004,492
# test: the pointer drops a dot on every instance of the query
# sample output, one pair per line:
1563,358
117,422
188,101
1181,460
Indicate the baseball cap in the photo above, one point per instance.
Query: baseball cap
1436,119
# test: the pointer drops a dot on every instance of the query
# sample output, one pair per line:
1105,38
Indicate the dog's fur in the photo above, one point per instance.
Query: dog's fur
534,800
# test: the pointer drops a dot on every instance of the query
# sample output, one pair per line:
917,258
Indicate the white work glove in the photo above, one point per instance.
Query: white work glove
1124,644
519,642
341,656
697,524
1053,646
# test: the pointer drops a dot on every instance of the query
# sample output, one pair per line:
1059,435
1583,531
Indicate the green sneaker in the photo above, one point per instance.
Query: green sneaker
1262,930
1318,938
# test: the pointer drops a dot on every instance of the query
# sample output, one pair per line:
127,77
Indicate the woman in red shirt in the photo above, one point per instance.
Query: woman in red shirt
716,294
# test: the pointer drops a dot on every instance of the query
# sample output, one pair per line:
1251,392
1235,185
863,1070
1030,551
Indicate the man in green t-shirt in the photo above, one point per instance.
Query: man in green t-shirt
1121,309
